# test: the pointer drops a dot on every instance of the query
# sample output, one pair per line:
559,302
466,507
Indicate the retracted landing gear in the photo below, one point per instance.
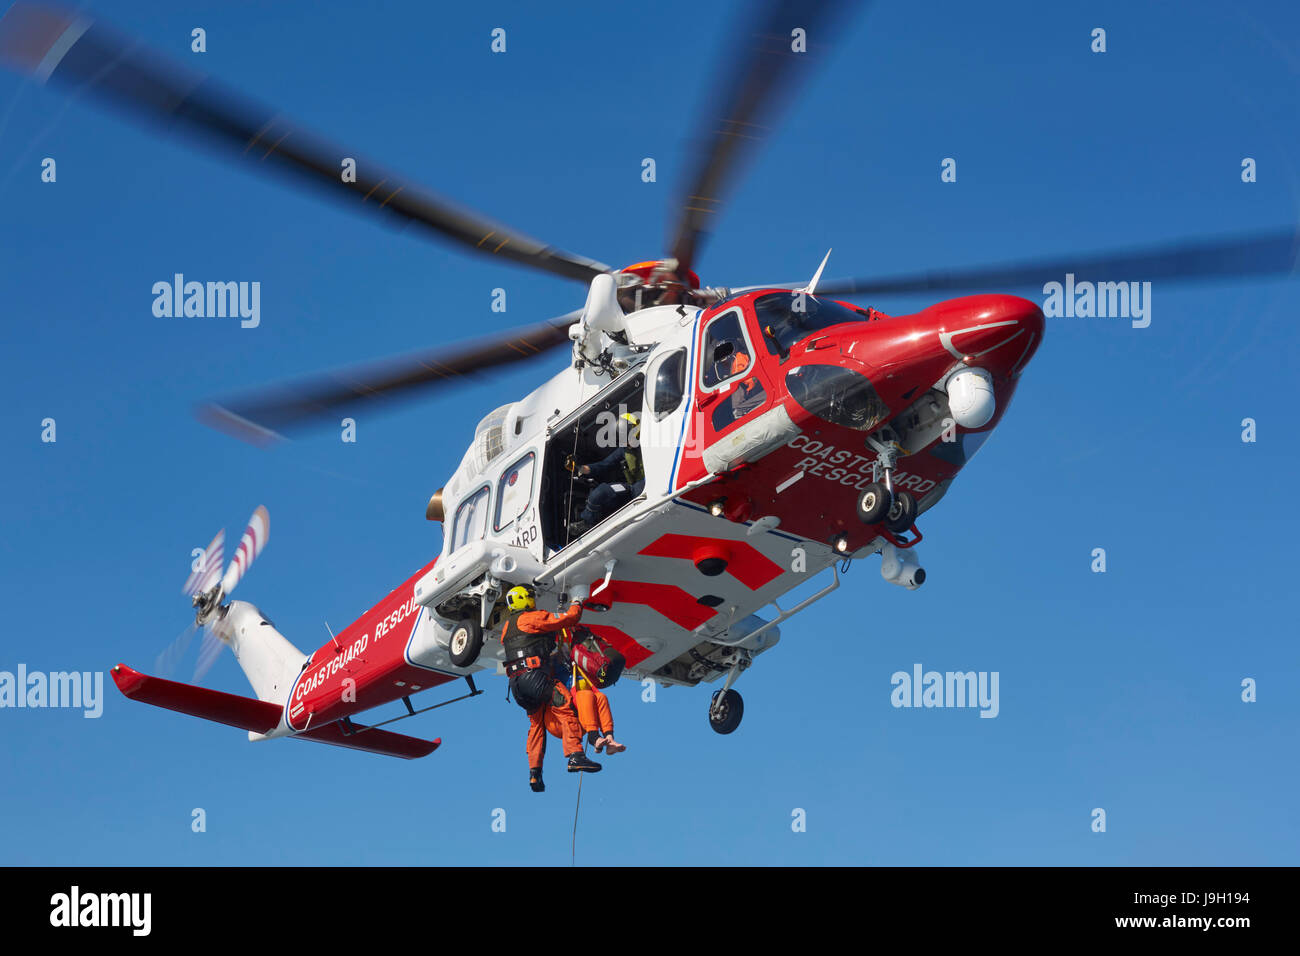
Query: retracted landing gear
727,706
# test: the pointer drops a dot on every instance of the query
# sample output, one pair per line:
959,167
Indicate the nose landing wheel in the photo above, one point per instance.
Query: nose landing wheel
902,512
876,505
873,503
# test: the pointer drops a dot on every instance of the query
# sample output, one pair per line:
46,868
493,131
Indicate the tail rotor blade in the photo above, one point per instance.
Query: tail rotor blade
250,546
207,569
169,660
209,651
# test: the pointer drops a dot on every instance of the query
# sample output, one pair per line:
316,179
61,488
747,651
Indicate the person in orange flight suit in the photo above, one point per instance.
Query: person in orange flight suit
592,705
596,718
530,660
748,394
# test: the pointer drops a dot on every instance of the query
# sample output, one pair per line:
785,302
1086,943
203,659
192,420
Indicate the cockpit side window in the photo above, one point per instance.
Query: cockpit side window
726,353
669,384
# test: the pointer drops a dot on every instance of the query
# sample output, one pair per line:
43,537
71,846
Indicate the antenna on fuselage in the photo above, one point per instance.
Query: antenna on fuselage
812,285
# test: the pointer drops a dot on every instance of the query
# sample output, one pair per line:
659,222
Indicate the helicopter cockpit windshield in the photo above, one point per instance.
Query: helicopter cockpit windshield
787,318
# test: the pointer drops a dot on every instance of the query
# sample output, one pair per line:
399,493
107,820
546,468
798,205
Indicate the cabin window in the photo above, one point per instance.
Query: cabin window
726,354
489,437
515,491
471,520
670,384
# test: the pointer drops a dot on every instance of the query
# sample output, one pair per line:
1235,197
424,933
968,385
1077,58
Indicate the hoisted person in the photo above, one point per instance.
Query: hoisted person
531,661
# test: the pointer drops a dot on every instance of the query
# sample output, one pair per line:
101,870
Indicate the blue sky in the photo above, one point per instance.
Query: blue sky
1119,690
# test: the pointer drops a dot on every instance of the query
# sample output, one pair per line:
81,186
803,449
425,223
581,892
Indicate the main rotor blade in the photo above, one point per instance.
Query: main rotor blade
1259,254
760,77
266,417
85,55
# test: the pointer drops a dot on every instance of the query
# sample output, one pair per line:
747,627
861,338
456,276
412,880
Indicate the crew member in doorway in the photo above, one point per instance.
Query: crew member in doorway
530,660
621,473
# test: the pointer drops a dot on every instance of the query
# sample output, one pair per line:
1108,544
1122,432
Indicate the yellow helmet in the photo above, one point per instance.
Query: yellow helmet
631,428
520,599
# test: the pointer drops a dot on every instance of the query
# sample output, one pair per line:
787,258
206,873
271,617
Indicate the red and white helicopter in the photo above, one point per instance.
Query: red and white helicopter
782,429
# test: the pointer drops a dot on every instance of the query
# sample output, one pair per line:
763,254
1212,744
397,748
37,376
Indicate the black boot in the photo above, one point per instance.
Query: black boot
535,780
578,763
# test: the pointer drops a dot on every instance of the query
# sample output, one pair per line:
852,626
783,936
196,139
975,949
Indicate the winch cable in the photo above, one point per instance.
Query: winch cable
564,574
573,846
568,505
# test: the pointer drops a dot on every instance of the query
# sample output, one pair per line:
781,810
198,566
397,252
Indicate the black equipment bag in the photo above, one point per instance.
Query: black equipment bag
532,689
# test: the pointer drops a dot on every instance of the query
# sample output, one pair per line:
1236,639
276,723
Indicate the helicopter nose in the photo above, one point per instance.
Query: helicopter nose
996,332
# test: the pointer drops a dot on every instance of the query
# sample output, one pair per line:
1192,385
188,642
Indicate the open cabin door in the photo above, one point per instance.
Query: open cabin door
586,437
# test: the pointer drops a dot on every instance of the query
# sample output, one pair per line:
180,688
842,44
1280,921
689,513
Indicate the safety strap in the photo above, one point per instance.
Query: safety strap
522,664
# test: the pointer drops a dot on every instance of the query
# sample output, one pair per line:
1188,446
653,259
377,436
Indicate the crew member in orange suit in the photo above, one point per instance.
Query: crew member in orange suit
530,659
749,393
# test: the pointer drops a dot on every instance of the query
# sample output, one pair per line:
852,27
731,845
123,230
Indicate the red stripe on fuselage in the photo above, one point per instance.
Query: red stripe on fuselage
668,599
746,563
633,652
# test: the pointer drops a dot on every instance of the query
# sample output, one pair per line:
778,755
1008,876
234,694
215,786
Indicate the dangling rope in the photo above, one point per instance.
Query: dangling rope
564,574
573,478
573,847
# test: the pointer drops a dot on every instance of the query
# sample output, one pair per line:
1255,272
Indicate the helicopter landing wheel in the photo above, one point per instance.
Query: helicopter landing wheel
725,713
902,513
466,642
873,503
